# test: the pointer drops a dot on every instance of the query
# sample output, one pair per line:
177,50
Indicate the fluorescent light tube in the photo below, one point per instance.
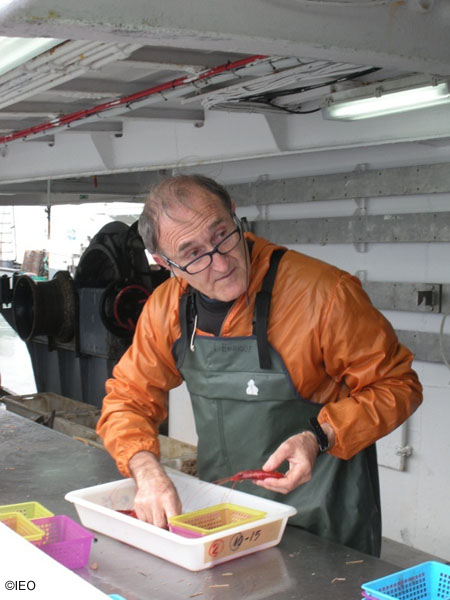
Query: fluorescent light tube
387,102
5,3
15,51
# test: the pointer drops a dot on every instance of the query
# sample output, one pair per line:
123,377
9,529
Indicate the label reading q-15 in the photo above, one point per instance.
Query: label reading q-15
242,540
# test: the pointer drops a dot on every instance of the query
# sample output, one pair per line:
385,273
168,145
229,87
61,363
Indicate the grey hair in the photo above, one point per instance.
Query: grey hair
169,191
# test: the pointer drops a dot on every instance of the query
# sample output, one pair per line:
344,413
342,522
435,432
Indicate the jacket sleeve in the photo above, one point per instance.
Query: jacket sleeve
378,388
136,400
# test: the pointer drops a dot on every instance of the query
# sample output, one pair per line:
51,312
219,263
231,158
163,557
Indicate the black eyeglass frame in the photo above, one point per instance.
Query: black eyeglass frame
211,253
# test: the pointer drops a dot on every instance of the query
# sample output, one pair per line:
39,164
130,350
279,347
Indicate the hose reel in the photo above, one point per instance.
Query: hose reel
121,305
45,307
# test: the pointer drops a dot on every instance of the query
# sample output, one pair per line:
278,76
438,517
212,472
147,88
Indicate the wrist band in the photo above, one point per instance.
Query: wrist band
321,436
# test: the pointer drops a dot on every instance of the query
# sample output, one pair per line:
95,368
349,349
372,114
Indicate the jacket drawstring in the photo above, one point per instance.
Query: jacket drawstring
191,345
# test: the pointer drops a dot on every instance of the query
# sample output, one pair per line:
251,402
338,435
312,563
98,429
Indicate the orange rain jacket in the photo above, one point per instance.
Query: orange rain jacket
338,349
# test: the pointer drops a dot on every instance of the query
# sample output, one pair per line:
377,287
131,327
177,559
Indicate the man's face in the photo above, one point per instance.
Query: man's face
186,232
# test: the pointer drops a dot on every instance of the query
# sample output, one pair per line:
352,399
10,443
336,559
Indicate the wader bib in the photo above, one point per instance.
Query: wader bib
245,406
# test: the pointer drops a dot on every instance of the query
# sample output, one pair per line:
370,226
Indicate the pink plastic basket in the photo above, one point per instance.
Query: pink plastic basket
65,541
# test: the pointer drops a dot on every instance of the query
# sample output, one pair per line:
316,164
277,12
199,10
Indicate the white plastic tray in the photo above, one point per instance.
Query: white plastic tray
97,508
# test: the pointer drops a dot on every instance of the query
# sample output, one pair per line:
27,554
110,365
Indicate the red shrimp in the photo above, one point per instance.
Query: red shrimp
251,475
130,513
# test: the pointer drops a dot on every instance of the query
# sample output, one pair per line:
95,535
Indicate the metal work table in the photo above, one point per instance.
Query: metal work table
39,464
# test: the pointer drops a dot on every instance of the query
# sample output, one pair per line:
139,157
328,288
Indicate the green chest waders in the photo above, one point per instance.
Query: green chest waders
245,406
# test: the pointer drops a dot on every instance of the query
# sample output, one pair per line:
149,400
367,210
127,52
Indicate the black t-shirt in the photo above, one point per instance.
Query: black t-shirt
210,313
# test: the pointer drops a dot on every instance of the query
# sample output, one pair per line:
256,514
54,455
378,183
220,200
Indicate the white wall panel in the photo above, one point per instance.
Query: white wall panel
407,262
415,502
181,417
314,163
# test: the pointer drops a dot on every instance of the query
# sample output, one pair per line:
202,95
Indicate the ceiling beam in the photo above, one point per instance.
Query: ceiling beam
371,183
33,113
8,125
153,67
43,109
115,126
166,114
48,139
86,87
104,126
129,184
183,57
381,34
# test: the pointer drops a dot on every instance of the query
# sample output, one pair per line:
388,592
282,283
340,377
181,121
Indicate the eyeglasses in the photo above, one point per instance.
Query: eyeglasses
203,262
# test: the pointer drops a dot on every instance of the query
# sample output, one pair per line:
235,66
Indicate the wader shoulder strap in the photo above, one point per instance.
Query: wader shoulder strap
262,309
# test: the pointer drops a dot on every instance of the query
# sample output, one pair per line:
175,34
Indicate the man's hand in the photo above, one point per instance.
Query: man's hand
156,497
301,451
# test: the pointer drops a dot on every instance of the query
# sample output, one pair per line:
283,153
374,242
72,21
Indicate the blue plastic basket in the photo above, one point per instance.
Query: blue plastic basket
427,581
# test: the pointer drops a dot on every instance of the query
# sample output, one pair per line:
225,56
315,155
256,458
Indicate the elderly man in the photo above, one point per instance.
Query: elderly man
287,362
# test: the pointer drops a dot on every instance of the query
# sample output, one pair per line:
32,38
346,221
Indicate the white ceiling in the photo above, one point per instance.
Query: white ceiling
87,119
